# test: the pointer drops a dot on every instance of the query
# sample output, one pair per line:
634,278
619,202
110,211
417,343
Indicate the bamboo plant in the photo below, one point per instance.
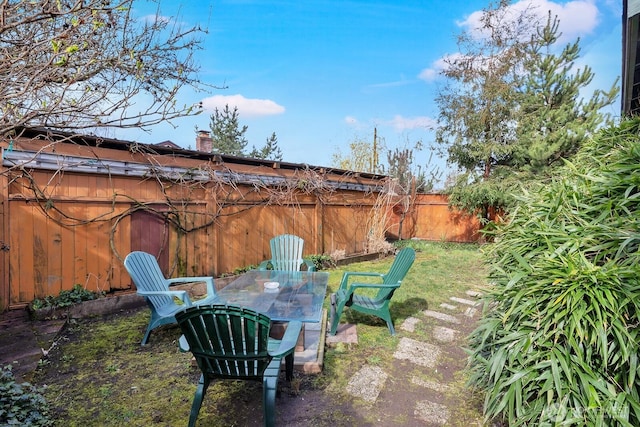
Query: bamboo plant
559,339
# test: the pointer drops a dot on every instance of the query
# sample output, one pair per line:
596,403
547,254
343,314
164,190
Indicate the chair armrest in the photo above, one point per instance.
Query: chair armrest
190,280
310,265
183,345
289,340
211,289
349,274
355,286
181,295
264,265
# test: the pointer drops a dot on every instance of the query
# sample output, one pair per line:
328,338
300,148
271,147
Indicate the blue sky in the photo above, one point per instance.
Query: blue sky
322,74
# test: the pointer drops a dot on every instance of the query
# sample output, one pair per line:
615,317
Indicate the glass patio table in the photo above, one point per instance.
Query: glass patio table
298,296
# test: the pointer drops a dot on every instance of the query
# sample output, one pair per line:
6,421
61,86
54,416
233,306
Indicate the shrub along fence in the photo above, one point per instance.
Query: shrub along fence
72,208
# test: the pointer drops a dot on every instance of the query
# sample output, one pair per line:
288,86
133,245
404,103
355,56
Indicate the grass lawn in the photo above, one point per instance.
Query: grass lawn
98,374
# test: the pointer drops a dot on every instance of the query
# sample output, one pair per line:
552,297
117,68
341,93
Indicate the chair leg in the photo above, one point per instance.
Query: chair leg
154,322
390,326
339,306
387,318
332,313
288,367
269,388
203,384
145,338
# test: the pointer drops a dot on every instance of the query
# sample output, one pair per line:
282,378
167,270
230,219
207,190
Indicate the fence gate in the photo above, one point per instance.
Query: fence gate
150,233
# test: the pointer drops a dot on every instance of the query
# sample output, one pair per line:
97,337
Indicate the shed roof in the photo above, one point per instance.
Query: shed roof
95,154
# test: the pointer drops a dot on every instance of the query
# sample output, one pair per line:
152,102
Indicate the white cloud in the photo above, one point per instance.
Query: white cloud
430,74
246,107
577,18
350,120
400,123
151,19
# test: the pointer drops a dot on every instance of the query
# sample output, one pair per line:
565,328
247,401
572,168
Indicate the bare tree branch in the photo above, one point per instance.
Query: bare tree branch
88,64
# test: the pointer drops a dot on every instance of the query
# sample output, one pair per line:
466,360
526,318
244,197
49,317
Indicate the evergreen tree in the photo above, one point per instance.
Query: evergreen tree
511,108
553,121
270,151
228,137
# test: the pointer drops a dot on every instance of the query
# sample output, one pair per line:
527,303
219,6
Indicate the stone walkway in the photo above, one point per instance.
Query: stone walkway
420,362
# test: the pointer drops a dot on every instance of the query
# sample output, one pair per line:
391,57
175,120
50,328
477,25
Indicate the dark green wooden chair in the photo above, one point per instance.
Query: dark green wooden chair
163,302
286,254
378,305
230,342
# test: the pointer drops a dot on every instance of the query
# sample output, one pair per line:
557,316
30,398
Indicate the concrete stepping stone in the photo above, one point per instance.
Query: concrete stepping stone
367,383
470,312
418,352
431,412
443,334
448,306
473,293
409,324
432,385
441,316
464,301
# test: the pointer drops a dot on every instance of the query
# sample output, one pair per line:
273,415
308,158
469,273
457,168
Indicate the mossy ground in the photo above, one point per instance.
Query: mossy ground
98,374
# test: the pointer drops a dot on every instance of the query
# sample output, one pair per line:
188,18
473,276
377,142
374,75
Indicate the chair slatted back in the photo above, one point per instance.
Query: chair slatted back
147,276
286,252
228,342
399,268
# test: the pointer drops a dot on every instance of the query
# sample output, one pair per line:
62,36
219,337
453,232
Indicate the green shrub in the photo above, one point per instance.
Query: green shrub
21,404
322,261
558,343
241,270
65,298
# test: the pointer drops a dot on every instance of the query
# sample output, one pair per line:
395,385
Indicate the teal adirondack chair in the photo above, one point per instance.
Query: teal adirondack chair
230,342
286,254
377,305
155,288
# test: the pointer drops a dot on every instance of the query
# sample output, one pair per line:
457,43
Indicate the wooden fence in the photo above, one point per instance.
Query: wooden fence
70,212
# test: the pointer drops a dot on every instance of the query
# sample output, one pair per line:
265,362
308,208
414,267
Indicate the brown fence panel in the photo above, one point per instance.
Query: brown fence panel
347,223
244,232
65,228
436,222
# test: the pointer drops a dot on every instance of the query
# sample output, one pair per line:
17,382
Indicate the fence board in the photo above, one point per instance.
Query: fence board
5,244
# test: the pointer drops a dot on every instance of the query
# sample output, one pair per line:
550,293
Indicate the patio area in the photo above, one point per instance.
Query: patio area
362,365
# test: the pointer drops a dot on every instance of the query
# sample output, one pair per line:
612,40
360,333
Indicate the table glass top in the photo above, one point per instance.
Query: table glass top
298,296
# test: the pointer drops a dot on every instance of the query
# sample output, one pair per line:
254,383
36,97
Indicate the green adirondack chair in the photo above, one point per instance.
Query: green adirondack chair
230,342
377,305
286,254
155,288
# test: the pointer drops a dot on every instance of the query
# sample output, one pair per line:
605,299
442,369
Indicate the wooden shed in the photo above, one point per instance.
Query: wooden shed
72,207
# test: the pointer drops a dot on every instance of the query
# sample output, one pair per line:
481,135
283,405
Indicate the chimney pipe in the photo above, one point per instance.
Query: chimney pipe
204,142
